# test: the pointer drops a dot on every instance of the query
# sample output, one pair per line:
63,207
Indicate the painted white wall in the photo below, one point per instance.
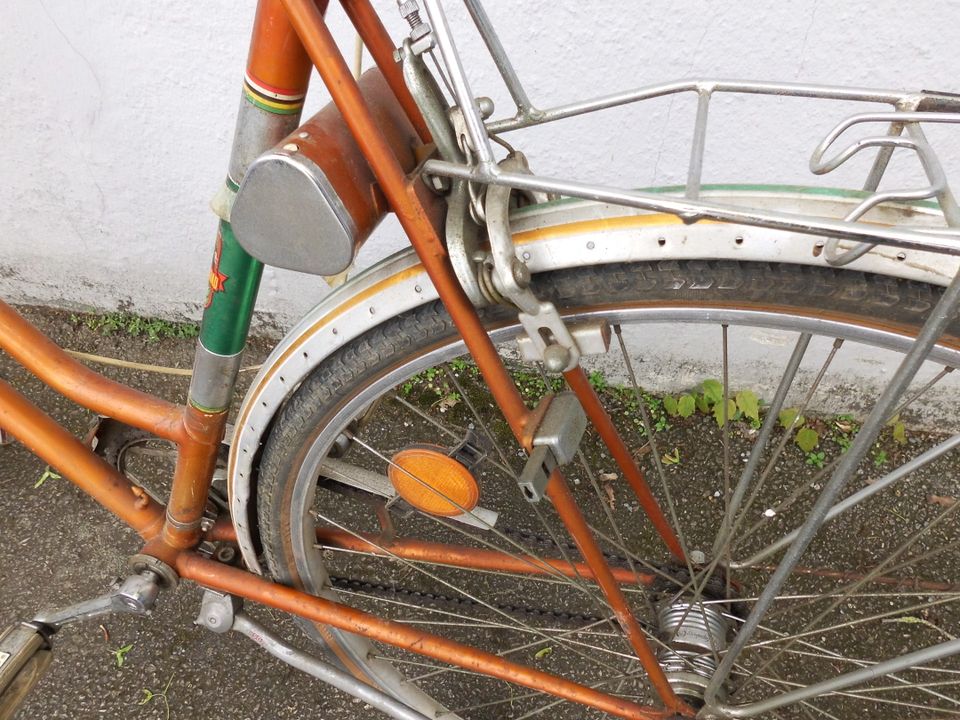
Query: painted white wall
118,118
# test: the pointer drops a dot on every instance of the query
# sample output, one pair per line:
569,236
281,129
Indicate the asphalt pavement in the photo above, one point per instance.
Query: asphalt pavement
58,547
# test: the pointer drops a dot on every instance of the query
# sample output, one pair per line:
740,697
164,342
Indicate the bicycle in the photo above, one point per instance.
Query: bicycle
488,333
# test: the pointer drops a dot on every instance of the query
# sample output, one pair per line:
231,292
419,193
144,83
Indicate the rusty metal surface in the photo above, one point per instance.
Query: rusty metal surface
73,460
580,384
196,459
468,557
231,580
38,354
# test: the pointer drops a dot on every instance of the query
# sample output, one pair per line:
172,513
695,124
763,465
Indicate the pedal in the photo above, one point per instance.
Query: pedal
25,648
24,657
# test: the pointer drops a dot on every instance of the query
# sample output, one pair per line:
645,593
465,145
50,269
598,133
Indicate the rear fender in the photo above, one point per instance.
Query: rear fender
550,236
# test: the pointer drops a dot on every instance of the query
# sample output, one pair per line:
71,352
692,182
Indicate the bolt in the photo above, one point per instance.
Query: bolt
520,273
556,358
291,147
439,183
410,11
226,554
213,621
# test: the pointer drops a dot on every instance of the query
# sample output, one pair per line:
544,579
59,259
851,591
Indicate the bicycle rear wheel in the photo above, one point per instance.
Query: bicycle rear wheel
878,582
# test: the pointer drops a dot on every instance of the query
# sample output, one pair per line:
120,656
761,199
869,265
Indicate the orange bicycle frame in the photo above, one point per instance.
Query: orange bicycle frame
289,37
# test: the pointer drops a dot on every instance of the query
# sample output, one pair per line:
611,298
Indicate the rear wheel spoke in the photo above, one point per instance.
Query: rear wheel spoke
383,555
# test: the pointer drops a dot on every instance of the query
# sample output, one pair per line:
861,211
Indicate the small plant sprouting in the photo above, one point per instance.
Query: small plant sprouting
807,439
48,474
743,405
899,430
748,404
724,417
845,429
598,380
149,696
120,654
671,458
671,405
686,406
459,365
880,458
816,458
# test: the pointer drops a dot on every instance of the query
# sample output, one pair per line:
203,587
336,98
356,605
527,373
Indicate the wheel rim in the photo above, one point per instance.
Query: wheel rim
311,565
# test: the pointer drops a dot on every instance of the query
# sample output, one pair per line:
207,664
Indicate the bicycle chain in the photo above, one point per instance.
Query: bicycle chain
524,536
454,602
451,601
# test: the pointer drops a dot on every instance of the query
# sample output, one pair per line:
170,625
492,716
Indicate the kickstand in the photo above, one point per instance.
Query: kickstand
222,613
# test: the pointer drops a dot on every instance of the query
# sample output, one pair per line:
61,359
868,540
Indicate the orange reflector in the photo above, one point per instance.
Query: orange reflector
427,478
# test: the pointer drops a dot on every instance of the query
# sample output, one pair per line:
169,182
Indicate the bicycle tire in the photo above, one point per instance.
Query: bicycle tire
846,297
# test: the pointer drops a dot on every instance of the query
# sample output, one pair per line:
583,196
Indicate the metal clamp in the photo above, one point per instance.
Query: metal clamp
592,338
551,340
555,443
421,36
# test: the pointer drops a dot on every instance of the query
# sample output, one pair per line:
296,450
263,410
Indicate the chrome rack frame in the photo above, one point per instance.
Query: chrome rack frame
909,112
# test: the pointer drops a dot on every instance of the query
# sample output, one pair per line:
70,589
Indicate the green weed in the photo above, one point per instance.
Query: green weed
120,654
124,323
150,695
48,474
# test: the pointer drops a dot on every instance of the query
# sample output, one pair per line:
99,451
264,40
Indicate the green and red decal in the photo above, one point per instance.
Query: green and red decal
233,283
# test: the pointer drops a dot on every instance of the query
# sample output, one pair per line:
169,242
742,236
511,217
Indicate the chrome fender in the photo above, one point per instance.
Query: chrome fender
551,236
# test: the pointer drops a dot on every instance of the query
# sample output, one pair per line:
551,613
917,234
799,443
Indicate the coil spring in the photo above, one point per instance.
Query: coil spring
694,634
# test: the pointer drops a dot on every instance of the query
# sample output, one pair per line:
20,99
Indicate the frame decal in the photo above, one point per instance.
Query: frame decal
275,100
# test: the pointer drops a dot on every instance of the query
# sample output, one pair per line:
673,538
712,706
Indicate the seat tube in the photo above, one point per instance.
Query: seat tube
274,88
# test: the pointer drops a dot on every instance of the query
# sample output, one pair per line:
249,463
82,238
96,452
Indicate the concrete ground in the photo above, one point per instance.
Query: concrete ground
59,547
